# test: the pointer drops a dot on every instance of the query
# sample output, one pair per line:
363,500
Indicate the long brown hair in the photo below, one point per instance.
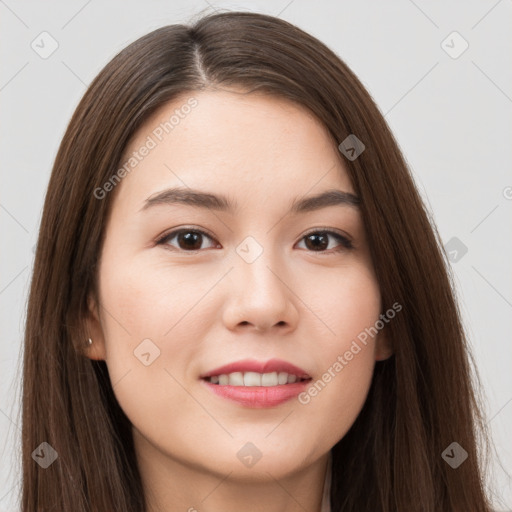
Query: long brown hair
421,399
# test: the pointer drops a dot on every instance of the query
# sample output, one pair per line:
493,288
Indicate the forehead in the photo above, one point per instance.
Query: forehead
252,146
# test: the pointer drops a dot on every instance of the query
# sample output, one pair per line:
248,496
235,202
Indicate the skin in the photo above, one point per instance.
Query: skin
208,308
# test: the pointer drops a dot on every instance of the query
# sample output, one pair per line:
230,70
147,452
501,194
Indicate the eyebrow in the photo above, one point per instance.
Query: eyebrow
199,199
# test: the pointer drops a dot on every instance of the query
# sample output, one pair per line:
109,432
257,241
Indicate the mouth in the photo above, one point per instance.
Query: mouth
250,372
252,379
255,384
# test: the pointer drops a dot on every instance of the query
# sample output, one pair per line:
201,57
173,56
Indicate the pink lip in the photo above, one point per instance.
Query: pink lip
251,365
258,396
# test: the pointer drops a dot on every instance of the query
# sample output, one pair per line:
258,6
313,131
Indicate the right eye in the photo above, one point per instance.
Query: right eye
187,239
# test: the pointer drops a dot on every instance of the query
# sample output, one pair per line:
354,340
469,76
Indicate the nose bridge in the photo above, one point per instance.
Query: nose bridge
257,265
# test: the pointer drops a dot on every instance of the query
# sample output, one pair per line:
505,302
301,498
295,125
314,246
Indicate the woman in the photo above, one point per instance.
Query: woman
238,300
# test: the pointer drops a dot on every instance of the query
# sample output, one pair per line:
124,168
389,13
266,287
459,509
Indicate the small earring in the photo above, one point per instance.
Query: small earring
89,341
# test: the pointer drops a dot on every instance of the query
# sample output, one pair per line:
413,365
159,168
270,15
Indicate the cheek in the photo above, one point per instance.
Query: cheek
149,299
345,353
346,302
150,327
153,320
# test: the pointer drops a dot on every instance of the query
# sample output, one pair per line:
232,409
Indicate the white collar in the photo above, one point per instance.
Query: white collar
326,498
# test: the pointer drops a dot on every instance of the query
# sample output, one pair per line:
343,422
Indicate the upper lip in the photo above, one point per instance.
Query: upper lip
251,365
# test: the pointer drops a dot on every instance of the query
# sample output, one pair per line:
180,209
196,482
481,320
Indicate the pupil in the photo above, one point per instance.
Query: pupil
315,239
189,238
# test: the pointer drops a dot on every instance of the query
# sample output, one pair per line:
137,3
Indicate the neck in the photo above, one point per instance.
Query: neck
173,485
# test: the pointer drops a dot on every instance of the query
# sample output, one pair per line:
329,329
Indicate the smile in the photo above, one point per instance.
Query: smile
250,379
257,384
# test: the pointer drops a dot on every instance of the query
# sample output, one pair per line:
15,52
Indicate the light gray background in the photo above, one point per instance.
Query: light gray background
451,117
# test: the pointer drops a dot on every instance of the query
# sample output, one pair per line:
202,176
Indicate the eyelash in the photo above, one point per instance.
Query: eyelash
346,243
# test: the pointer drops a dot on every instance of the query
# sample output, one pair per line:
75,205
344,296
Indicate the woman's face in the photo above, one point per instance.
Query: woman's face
188,284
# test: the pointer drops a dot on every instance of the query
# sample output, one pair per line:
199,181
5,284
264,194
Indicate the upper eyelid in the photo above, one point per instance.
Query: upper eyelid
174,232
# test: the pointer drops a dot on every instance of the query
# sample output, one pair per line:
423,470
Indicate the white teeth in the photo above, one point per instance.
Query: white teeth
269,379
253,379
236,379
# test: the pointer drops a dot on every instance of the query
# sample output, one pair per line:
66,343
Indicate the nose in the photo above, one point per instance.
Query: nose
261,297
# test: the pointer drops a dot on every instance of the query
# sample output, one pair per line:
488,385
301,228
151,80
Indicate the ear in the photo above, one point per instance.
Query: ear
96,350
383,348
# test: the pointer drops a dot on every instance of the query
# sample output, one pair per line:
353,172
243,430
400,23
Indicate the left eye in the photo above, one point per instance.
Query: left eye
316,241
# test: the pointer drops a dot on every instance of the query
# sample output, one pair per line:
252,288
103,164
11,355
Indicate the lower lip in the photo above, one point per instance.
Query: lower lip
259,396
